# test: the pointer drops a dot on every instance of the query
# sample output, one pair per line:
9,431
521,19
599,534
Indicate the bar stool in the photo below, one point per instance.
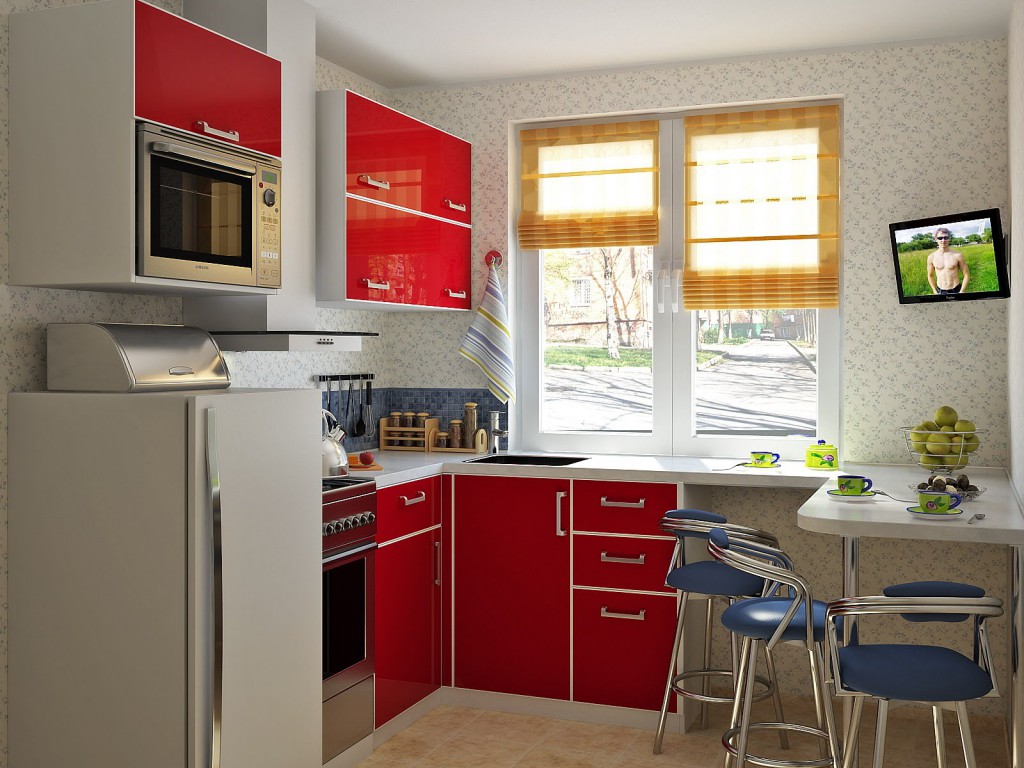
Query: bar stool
712,580
768,621
932,674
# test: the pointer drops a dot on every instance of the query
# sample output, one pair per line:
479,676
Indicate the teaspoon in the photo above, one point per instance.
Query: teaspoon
979,516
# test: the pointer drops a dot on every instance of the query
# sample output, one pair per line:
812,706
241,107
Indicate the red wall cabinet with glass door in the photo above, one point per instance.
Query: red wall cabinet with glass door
511,585
407,640
393,209
190,78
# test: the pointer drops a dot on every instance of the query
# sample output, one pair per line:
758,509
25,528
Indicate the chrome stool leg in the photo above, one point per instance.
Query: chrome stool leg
883,714
773,676
965,734
659,737
705,687
940,736
853,732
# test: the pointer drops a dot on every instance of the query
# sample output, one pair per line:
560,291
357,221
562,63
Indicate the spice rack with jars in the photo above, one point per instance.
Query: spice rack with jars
407,438
479,443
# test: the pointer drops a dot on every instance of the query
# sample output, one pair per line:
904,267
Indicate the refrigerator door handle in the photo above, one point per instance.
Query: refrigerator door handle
217,596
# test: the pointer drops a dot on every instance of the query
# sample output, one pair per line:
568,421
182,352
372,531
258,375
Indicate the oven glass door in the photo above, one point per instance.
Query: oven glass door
200,214
348,619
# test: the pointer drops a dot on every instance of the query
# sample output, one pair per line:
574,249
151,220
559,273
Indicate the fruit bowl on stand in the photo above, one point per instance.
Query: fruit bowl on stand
941,450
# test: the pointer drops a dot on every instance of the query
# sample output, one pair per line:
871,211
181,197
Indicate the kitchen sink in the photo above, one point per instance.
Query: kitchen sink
526,459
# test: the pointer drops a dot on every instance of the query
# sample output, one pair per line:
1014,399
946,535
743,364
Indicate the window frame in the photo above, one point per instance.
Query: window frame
674,331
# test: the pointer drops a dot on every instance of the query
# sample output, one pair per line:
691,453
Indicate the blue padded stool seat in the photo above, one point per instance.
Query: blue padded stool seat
710,577
759,617
912,673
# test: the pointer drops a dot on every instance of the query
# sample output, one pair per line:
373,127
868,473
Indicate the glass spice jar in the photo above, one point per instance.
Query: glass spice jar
408,419
441,441
395,419
421,419
469,430
455,433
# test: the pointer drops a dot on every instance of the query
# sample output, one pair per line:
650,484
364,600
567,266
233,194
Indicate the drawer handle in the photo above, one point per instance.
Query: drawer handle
385,286
437,559
559,530
606,558
606,614
455,206
415,500
455,294
372,182
209,130
630,504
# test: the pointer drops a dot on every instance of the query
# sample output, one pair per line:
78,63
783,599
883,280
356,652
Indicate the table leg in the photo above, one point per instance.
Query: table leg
851,588
1016,643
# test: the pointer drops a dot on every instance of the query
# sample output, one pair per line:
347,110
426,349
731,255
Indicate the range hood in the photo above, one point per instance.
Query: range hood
291,341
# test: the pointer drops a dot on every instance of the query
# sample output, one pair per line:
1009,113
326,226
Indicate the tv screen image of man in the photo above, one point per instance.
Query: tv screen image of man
945,266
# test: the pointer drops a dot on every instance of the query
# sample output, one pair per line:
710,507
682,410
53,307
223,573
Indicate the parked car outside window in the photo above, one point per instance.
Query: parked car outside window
767,335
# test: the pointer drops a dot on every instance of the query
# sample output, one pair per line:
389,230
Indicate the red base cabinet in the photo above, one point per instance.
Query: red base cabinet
621,646
407,641
511,585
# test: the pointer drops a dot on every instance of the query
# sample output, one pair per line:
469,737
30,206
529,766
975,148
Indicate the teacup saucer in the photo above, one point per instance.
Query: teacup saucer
761,466
834,494
923,513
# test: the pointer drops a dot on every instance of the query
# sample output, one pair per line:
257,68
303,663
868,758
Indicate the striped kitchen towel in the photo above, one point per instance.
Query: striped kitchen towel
488,342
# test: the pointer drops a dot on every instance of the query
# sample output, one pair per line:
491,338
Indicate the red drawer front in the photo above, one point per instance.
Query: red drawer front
407,508
616,562
402,258
633,675
185,73
610,507
399,160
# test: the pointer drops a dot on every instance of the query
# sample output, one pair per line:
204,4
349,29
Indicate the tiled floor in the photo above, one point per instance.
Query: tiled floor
459,737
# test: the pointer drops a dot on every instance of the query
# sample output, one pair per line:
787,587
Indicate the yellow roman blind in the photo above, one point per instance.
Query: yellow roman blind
588,186
762,209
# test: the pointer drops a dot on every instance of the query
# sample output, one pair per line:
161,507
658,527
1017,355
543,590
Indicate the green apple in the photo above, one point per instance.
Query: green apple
971,443
946,416
963,425
918,438
956,462
928,460
938,444
945,428
929,426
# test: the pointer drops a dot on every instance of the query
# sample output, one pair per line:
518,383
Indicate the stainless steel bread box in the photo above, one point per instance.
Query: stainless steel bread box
121,357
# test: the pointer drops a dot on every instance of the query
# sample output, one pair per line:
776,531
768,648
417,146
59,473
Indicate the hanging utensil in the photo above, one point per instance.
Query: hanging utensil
360,428
371,423
350,423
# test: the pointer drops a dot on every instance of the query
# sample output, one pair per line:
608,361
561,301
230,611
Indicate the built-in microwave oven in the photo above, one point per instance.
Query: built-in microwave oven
206,211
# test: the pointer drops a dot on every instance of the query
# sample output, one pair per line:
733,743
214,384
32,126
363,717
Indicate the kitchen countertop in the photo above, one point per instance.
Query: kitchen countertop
404,466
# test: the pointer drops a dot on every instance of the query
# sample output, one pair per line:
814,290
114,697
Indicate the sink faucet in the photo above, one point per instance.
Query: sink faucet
496,433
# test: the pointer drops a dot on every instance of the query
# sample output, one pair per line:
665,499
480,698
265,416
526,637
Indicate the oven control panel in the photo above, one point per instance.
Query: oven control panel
348,523
268,227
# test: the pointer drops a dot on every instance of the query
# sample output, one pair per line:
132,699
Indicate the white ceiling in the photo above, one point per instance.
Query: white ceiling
406,43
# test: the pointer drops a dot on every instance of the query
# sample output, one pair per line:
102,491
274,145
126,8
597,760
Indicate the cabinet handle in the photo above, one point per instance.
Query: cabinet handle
437,561
629,504
385,286
205,127
559,495
639,560
455,206
455,294
606,614
416,500
372,182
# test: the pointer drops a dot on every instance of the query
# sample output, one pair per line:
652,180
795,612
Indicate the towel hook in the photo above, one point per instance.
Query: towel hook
494,259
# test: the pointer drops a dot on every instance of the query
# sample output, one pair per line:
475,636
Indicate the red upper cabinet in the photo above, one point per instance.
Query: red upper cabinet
396,159
191,78
393,209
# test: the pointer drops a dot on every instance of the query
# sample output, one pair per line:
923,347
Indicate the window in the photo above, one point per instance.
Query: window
581,292
717,335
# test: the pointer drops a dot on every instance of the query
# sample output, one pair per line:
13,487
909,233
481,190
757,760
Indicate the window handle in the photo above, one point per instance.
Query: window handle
659,288
677,289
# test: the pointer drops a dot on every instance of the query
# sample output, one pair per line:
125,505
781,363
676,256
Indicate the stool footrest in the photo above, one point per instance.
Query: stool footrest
769,689
771,762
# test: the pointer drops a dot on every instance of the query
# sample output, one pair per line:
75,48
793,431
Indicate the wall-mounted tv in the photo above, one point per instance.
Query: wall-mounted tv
957,257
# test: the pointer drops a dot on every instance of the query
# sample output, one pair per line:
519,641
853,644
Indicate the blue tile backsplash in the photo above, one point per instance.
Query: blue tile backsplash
445,404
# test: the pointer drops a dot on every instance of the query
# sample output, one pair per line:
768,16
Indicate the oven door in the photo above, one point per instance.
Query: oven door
195,211
348,618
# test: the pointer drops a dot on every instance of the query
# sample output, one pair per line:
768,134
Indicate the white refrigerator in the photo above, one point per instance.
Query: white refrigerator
164,580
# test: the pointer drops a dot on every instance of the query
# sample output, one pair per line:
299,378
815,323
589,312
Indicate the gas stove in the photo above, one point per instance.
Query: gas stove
349,513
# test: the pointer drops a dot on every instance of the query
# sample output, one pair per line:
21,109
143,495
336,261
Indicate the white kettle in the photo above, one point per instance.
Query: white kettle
333,459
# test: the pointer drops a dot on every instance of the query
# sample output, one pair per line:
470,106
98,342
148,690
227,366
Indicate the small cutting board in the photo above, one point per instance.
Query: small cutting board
355,466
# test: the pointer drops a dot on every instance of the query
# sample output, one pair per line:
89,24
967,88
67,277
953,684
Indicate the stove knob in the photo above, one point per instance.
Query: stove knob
328,529
349,524
371,517
364,519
